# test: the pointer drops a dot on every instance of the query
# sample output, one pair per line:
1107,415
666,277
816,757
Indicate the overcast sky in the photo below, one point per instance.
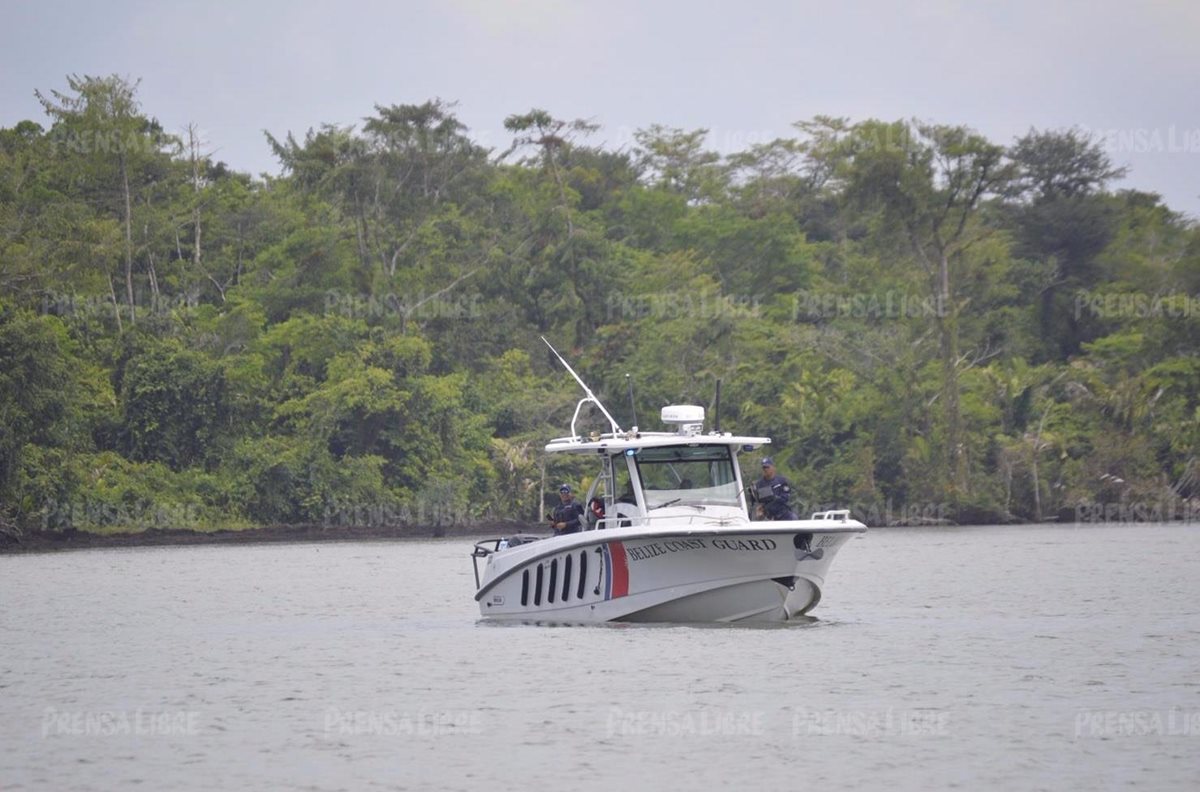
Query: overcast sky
1129,72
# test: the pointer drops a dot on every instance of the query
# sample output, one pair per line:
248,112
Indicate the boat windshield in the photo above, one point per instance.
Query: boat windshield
687,475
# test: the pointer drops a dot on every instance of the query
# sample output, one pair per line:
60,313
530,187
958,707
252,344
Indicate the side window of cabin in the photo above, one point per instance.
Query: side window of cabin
601,485
599,497
623,486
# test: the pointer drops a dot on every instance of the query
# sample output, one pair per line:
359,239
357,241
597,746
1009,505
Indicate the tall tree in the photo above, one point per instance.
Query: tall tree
572,253
1062,221
332,164
928,182
551,137
98,123
676,160
423,160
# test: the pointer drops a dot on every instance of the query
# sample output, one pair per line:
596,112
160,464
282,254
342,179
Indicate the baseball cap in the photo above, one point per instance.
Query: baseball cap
565,488
768,461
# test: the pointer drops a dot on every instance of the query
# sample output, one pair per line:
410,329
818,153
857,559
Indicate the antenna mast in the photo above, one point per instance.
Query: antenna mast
717,408
632,406
591,397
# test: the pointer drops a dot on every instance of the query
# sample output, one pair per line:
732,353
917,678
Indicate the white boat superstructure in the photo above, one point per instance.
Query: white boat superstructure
667,537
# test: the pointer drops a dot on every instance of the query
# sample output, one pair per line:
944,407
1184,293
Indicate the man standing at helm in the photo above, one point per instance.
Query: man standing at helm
567,514
773,492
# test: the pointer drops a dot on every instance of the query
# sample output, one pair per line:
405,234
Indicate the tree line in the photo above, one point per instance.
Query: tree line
931,325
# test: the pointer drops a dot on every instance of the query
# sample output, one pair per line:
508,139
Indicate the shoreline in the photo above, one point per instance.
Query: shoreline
43,542
48,542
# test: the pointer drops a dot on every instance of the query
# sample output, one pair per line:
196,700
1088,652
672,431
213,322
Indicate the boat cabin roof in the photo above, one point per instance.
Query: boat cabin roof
617,443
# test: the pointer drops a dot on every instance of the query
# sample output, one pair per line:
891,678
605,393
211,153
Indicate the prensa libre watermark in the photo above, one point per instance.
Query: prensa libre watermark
886,512
681,305
1137,723
120,723
813,306
142,515
1170,139
392,723
682,723
66,305
419,306
338,514
1137,512
97,141
1134,305
871,723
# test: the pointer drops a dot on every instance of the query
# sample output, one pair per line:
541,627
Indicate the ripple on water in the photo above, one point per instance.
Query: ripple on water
329,667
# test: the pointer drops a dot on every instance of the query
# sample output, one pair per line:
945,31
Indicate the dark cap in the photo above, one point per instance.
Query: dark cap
768,461
565,488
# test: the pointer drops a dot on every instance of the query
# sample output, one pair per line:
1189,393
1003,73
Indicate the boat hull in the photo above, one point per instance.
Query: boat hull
753,572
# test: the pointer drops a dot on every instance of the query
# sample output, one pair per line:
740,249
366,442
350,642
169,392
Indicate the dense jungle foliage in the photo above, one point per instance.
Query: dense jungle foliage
932,326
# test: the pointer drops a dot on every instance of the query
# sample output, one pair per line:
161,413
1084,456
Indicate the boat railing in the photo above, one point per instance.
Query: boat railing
486,547
840,515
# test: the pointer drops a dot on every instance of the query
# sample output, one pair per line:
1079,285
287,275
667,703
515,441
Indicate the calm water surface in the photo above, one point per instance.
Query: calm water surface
1034,657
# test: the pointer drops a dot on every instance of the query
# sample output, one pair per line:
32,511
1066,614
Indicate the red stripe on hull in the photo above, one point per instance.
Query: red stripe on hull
620,569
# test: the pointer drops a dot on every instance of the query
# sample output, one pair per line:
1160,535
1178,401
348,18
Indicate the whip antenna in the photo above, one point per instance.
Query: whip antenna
591,397
632,407
717,408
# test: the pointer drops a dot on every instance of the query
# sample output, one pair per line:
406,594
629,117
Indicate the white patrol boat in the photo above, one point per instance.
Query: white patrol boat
667,537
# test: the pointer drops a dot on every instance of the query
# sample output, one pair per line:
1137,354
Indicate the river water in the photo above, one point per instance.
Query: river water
1047,657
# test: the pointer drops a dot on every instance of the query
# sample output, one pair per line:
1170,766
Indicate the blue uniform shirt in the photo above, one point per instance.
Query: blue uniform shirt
774,496
568,513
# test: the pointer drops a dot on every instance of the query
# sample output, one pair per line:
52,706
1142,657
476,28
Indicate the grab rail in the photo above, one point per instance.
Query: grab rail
833,514
482,550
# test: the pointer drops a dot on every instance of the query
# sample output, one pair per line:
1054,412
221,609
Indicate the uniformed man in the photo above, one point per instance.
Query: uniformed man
773,492
568,514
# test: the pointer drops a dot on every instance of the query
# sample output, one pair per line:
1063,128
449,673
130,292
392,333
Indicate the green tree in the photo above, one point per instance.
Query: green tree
116,153
35,386
675,160
1063,221
928,183
175,404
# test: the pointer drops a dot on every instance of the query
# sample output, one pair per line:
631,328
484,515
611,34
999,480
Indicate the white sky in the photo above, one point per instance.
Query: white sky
747,70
